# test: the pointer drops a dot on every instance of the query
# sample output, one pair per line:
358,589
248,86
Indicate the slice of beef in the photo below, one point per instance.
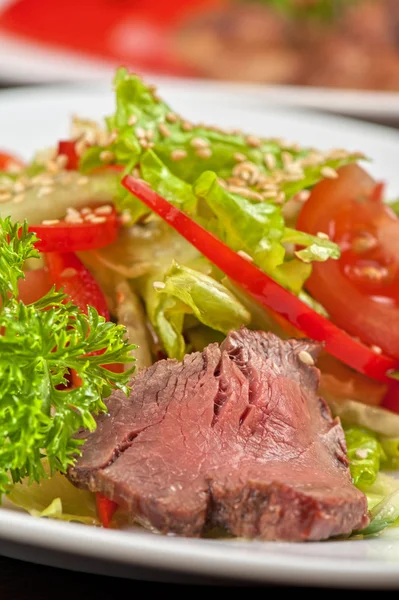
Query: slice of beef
235,436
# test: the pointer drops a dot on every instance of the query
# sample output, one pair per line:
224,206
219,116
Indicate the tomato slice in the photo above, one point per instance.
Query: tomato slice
9,162
360,291
68,148
88,229
35,285
105,509
67,270
265,290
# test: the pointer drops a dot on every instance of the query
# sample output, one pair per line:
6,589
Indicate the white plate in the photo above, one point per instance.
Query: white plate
33,118
24,61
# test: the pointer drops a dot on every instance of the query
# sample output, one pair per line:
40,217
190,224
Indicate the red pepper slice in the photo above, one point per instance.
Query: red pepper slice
265,290
105,509
68,148
98,232
8,162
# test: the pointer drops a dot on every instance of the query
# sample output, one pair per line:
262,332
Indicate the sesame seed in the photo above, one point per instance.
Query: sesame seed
322,235
76,220
239,157
106,209
270,161
125,218
52,166
159,285
362,244
19,198
305,357
164,130
287,158
253,141
178,155
362,452
69,272
171,117
329,173
187,126
198,142
61,161
98,220
140,132
18,187
303,196
243,254
50,222
45,191
236,181
269,195
85,211
294,176
222,183
107,156
5,196
82,180
280,198
80,147
203,152
247,171
73,213
132,120
246,193
149,134
376,349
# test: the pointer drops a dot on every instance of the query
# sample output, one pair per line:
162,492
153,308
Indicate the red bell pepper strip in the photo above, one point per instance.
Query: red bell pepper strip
68,148
265,290
105,509
98,229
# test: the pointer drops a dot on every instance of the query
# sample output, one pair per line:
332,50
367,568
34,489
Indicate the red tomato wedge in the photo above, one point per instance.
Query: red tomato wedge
8,162
67,270
265,290
68,148
105,509
35,285
98,232
360,291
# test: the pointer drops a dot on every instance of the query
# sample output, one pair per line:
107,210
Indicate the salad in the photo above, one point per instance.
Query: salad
151,237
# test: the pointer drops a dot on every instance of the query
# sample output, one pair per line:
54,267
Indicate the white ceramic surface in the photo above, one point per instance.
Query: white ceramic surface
33,118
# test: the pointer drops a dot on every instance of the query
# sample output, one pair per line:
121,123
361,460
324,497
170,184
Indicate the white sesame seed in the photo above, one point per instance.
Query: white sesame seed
198,142
246,193
270,161
73,213
178,155
76,220
149,134
253,141
187,126
45,191
329,173
61,161
172,117
376,349
236,181
305,357
140,132
80,147
203,152
18,187
287,158
98,219
82,180
85,211
362,452
107,156
280,198
322,235
269,195
132,120
303,196
106,209
125,218
69,272
239,157
164,130
159,285
50,221
243,254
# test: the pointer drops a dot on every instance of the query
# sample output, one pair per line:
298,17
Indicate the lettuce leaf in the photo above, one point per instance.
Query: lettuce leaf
383,503
186,292
364,453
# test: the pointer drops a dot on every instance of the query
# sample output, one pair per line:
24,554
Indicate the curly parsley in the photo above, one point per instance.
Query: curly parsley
39,344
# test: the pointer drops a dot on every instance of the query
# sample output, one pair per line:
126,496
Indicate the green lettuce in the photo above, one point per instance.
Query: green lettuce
364,453
190,292
383,502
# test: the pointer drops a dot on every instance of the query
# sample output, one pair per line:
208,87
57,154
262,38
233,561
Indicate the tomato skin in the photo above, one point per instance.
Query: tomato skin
391,398
68,148
78,237
8,162
67,270
35,285
105,509
334,207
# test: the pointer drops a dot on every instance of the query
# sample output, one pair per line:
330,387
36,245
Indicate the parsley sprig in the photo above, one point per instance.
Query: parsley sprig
39,344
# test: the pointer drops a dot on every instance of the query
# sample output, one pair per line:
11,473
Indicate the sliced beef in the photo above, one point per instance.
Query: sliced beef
235,436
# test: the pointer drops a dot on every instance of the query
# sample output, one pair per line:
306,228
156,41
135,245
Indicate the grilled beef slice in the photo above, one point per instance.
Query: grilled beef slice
235,436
